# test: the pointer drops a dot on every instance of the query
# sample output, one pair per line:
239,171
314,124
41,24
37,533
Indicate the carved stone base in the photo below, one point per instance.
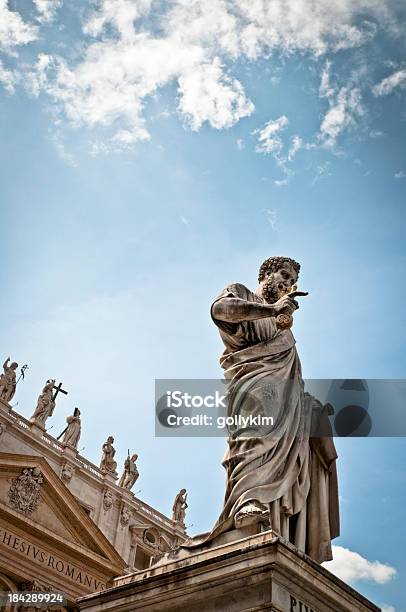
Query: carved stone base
260,572
110,477
69,451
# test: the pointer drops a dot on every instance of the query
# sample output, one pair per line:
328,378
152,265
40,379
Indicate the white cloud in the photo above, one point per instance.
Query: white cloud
271,217
297,144
121,14
36,79
281,182
8,78
325,89
132,51
400,175
388,84
351,567
62,151
269,140
386,608
207,94
240,144
47,9
14,31
345,105
322,171
376,134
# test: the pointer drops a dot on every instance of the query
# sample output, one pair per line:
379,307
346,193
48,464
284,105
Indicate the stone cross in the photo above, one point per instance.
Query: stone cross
58,389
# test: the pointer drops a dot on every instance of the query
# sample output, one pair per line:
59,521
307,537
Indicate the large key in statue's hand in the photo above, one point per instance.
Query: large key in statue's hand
288,305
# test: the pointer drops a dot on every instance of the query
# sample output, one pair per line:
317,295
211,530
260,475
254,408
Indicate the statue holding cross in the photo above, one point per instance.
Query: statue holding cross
46,403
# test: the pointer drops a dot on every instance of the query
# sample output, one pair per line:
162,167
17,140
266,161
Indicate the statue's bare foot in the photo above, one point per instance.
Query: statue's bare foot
250,514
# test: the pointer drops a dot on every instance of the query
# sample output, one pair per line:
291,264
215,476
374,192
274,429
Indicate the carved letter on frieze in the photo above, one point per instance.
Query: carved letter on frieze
298,606
24,494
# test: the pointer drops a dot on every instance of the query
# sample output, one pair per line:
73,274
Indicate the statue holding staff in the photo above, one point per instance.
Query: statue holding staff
71,434
130,473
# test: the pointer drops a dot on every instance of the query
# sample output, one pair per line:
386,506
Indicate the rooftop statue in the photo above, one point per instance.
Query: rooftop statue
45,405
179,508
71,434
8,381
108,464
130,472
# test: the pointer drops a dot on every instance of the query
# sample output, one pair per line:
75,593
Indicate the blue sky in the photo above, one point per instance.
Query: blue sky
153,152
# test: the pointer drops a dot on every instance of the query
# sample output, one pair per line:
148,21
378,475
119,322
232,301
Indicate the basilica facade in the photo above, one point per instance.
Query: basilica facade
67,525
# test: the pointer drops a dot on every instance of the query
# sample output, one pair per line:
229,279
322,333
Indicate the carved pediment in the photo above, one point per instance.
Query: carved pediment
39,517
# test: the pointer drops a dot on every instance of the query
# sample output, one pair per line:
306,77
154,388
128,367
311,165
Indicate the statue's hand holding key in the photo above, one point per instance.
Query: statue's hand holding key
285,307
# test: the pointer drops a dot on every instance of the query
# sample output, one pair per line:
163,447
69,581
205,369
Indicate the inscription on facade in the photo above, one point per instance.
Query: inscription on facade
299,606
31,551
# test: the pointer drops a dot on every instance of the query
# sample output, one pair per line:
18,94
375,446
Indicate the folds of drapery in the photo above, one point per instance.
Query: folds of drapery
279,465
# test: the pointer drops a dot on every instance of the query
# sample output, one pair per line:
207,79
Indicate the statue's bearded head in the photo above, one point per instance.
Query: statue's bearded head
276,277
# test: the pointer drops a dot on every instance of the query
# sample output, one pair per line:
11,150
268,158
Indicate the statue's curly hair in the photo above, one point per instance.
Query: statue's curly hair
272,264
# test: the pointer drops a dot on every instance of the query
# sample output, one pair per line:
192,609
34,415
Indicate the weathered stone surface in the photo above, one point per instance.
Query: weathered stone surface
260,572
96,492
277,473
8,380
179,508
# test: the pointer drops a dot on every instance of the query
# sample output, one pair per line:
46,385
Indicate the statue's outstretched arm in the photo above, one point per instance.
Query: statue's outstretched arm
235,310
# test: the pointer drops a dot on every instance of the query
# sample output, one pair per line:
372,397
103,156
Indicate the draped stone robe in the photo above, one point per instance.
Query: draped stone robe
280,466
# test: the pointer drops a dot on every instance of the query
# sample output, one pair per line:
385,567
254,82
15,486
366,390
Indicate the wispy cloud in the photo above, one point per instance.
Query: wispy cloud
281,182
14,31
322,171
389,83
296,144
129,52
345,105
47,9
400,175
271,216
376,134
352,567
269,140
63,153
8,79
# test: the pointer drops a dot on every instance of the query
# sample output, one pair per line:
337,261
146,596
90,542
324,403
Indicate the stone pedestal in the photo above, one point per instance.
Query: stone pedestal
68,451
36,429
259,572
